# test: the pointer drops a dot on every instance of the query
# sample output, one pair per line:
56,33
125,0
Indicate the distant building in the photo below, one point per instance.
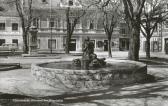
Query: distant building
159,40
50,19
10,30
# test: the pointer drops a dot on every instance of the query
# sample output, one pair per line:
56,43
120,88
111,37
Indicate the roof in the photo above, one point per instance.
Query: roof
38,6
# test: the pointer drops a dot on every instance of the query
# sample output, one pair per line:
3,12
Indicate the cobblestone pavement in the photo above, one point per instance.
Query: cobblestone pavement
153,93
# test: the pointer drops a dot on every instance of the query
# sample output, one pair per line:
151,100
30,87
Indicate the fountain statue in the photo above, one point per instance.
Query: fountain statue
89,58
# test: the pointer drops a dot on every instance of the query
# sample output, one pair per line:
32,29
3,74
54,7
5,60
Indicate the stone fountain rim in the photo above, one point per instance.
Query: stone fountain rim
62,71
82,80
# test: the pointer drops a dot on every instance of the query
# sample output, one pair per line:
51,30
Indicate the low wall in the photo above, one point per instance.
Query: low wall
91,79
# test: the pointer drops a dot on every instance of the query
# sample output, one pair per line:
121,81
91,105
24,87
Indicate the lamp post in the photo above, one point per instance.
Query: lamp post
33,40
161,37
51,51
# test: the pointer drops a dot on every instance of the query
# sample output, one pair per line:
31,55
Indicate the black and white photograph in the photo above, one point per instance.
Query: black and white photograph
83,52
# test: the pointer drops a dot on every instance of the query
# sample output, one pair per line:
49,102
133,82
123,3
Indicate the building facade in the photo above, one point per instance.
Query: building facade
10,30
50,19
52,28
159,39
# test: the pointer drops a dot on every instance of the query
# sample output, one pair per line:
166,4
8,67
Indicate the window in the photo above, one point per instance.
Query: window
2,41
100,44
72,44
44,1
123,43
43,24
122,24
123,31
112,44
36,22
166,24
2,26
52,43
57,25
64,41
70,2
91,26
78,25
38,43
71,24
14,26
93,41
33,39
15,41
51,24
156,28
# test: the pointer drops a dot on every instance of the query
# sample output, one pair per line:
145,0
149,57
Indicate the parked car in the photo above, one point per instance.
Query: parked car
9,47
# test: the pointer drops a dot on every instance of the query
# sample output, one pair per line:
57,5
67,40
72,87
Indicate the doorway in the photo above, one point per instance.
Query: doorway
155,46
105,45
15,41
2,41
124,44
166,45
73,45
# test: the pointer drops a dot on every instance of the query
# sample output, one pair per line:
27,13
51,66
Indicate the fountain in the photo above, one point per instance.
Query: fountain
89,72
89,58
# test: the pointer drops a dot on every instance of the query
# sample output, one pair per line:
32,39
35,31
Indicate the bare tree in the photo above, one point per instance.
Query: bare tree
133,11
24,9
154,13
111,11
25,14
73,16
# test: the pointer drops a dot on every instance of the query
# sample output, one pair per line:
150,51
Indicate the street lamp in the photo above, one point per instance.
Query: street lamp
161,35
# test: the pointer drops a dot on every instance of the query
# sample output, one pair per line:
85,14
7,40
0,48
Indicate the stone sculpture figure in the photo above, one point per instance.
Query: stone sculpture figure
89,58
88,48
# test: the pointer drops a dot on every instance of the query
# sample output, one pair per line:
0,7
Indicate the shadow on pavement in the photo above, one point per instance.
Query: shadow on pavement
113,93
149,88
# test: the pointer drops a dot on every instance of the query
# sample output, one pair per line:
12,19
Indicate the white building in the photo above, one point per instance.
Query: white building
50,19
10,29
159,39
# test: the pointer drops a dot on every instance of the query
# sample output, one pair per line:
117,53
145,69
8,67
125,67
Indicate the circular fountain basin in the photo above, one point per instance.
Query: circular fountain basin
64,74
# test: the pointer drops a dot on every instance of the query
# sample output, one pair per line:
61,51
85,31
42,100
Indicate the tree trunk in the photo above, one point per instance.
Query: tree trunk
25,36
134,43
67,46
25,43
109,48
147,48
